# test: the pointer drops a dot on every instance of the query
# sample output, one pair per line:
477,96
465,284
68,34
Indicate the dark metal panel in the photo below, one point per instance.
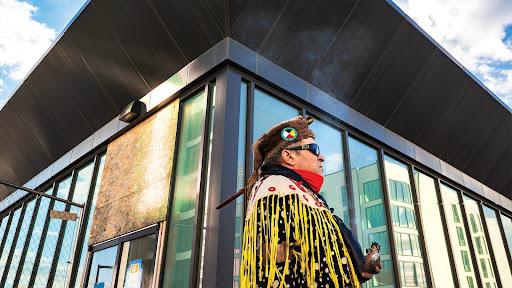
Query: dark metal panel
251,21
47,133
13,127
195,25
143,39
357,47
395,73
309,28
107,63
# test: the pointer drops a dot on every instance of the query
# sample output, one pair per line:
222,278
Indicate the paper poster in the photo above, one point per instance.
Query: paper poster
134,274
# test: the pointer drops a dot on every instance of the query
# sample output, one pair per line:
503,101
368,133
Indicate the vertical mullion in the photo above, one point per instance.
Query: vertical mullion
43,238
62,231
426,266
387,209
504,237
489,243
451,257
197,234
13,244
348,182
80,241
27,241
249,137
470,239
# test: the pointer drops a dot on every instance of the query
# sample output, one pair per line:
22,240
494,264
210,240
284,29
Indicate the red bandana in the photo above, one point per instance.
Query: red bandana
314,180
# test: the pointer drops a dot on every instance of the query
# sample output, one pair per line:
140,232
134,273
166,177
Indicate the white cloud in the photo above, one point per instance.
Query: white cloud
23,40
473,31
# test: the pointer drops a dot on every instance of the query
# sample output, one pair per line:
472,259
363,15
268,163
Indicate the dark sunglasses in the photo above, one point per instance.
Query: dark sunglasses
314,148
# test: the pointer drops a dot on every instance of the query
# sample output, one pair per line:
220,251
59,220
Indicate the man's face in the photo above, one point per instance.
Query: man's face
307,160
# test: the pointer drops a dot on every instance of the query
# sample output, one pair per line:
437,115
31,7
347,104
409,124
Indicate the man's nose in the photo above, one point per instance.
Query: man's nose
321,157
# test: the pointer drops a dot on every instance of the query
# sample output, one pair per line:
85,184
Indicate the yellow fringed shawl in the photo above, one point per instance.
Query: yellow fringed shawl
314,230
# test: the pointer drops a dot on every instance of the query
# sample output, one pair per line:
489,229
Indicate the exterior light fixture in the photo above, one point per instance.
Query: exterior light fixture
132,111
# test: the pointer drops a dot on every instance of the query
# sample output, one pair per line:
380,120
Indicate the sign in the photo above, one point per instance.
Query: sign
63,215
134,274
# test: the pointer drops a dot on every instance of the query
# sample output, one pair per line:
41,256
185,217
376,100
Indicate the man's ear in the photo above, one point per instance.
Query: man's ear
288,157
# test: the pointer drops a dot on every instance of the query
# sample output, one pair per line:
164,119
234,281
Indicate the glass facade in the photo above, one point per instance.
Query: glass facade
183,217
39,251
433,230
461,251
405,228
483,256
369,204
497,243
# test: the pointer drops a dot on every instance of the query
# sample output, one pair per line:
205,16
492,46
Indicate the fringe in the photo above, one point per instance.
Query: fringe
313,230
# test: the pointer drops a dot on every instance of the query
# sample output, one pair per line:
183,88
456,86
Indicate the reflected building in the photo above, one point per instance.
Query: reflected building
144,114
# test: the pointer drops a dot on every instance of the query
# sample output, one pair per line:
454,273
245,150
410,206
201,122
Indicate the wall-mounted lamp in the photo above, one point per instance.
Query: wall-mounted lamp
132,111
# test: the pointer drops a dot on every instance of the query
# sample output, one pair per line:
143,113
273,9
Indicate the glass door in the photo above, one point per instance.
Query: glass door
128,263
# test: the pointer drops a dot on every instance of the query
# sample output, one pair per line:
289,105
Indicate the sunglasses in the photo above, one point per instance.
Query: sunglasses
313,148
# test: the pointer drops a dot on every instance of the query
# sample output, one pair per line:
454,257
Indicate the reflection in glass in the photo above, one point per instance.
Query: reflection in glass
240,182
433,231
369,204
102,268
81,191
334,188
404,224
52,236
141,256
81,267
457,233
23,230
3,224
9,238
507,228
480,243
268,111
35,238
186,192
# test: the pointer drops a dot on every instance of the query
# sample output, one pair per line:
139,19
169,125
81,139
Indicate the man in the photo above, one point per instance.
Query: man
291,238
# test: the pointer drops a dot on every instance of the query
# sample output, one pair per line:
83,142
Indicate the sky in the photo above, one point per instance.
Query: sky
478,33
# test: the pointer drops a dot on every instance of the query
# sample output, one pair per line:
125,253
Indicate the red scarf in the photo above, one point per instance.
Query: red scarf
314,180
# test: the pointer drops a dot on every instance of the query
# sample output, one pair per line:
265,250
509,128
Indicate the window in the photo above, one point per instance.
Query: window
462,258
483,257
369,207
139,262
183,214
102,268
491,219
400,194
460,236
435,238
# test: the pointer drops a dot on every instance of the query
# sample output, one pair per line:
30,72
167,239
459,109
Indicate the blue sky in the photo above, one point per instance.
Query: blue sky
478,33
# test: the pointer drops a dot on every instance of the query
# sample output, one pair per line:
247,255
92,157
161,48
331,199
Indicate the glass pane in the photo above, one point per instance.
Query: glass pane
140,264
18,248
240,182
479,240
400,195
3,224
81,191
102,268
369,208
9,238
457,233
35,238
334,188
52,236
268,111
83,254
186,190
507,227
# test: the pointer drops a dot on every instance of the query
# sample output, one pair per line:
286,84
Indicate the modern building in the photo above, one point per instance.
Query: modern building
418,152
